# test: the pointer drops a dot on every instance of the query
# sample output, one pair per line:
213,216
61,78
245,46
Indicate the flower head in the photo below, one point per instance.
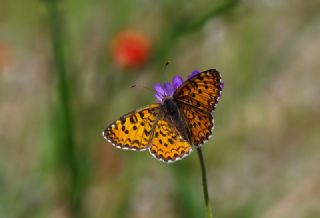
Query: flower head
167,89
131,48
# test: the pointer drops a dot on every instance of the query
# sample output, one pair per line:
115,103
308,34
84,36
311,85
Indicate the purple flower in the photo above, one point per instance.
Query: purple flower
159,92
193,73
222,85
167,89
177,81
162,91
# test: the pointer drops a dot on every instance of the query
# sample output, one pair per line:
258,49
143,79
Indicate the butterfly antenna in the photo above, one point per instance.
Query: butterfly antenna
143,87
165,71
166,64
164,74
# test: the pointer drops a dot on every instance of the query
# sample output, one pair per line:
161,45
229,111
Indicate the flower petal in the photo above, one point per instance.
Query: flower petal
168,88
158,97
222,85
159,89
193,73
177,81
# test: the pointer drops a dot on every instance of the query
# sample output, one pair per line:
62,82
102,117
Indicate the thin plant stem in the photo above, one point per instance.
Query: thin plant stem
204,182
64,133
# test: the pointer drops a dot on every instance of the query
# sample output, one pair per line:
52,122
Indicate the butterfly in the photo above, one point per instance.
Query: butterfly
182,117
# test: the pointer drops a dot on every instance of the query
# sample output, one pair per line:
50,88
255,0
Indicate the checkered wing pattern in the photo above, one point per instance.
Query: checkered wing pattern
201,91
133,131
199,124
167,144
197,99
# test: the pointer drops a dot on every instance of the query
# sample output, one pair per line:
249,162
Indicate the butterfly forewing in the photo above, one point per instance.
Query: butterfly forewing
134,130
197,98
201,91
167,144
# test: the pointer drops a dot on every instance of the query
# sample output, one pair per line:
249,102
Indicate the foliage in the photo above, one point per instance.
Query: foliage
60,87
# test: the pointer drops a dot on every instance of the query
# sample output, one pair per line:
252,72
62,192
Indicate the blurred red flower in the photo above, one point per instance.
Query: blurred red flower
130,48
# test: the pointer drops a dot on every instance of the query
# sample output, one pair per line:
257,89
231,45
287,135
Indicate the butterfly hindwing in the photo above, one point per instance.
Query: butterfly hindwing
199,124
167,144
201,91
133,131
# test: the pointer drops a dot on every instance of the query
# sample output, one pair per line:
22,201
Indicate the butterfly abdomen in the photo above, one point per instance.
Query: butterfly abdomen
171,110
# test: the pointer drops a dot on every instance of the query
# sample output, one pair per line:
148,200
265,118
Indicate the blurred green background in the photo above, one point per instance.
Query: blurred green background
60,86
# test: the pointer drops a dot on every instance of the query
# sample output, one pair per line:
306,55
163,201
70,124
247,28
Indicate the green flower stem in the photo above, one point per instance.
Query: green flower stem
66,158
204,182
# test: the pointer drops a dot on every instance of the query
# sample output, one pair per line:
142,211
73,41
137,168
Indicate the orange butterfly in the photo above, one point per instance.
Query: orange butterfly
182,117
